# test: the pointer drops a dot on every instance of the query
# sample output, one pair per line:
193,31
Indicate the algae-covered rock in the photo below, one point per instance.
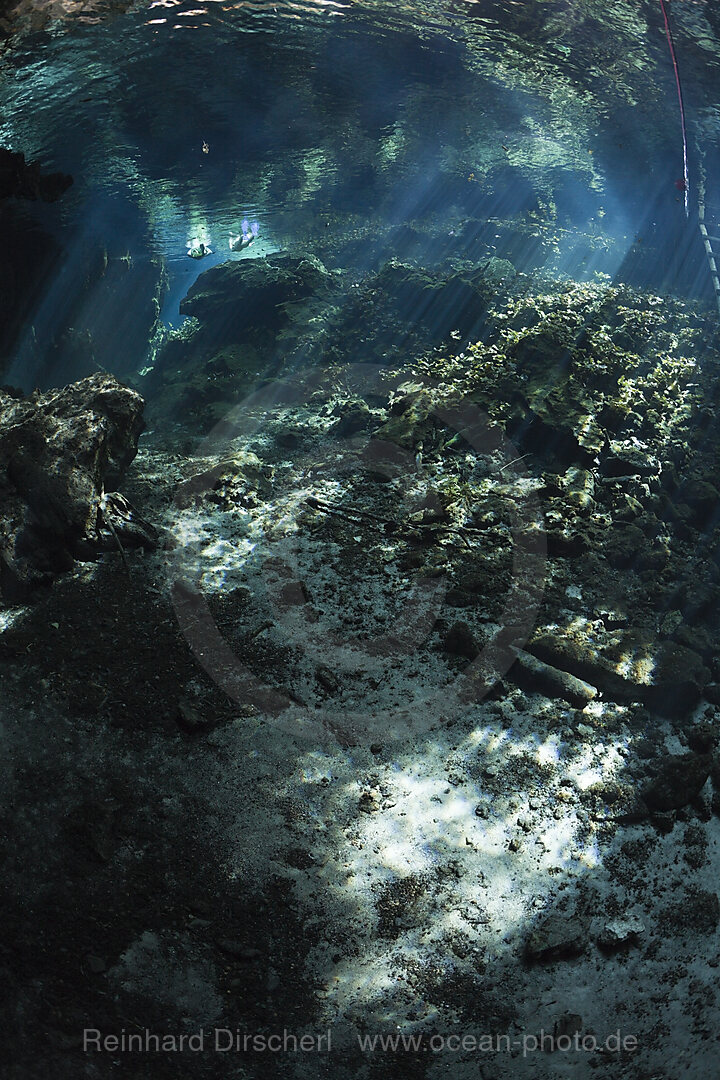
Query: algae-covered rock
237,297
498,273
613,800
412,421
353,416
560,422
629,459
60,453
234,481
623,546
703,501
566,543
237,314
456,303
192,385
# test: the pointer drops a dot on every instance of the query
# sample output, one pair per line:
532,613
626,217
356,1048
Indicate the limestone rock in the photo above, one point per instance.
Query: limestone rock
623,546
411,422
354,416
560,421
236,298
458,303
620,933
702,499
579,487
61,455
678,782
629,459
559,935
613,800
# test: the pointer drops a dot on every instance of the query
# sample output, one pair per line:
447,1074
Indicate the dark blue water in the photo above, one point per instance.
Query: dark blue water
491,128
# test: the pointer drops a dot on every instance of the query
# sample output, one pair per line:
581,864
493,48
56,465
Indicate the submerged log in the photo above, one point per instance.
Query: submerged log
534,674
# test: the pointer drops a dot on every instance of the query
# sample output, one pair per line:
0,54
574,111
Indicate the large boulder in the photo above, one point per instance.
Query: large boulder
61,453
246,316
233,300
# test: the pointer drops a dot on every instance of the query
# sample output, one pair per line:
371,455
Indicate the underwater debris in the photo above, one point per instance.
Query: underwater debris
420,524
117,514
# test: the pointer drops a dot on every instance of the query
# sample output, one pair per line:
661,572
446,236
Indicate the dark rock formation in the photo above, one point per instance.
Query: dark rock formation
241,311
22,179
234,299
679,781
27,259
460,641
60,452
27,252
105,323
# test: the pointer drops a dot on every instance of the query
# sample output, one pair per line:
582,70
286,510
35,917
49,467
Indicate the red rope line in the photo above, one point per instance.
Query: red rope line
682,106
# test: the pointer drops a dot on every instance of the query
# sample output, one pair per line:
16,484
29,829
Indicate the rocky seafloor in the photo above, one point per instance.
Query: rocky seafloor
388,705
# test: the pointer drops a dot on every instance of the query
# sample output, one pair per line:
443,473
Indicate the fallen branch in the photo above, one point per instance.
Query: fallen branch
350,514
111,527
